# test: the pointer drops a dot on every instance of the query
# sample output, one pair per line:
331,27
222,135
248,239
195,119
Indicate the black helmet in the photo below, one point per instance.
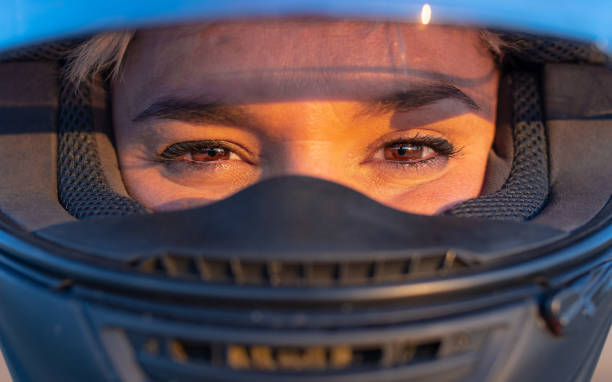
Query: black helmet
294,276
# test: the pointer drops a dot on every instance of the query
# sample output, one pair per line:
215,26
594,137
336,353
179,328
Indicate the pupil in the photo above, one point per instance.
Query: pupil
210,154
404,152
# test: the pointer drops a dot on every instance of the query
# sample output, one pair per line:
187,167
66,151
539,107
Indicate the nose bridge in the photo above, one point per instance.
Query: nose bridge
307,139
307,157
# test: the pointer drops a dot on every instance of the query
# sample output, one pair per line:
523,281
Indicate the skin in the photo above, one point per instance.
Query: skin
310,98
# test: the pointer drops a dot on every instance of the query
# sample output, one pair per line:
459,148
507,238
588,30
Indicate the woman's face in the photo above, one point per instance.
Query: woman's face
402,113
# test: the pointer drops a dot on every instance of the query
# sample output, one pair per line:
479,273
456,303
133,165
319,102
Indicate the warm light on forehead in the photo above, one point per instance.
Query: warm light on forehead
426,14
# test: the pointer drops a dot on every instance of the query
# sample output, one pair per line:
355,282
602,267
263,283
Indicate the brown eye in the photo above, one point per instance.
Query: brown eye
210,154
407,152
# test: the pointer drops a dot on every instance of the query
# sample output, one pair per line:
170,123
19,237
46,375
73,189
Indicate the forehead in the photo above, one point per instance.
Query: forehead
268,60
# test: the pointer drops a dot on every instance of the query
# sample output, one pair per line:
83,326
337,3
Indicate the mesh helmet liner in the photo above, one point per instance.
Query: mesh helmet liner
84,191
524,192
82,187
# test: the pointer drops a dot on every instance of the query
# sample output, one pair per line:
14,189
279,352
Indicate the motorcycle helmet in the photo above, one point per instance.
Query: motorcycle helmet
294,277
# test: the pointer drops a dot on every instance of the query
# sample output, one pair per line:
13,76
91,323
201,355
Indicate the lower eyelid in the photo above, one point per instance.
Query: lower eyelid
185,168
435,157
435,163
180,150
187,158
380,155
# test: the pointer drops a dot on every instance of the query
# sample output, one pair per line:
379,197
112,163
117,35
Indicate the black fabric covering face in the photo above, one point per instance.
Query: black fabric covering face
300,219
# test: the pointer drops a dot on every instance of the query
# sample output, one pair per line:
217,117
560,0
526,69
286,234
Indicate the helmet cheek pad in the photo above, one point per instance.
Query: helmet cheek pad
83,185
301,279
85,192
516,186
524,192
29,94
578,121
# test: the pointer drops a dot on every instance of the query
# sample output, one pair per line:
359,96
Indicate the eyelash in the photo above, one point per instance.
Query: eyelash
439,145
176,151
442,148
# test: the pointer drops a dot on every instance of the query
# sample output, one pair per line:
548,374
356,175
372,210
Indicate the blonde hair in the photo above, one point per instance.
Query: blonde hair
101,53
105,53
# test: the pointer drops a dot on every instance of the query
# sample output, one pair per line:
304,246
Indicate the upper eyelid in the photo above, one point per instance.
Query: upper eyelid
418,139
194,144
395,137
434,143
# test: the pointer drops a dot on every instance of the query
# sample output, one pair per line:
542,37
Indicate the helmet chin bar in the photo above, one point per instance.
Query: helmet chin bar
398,302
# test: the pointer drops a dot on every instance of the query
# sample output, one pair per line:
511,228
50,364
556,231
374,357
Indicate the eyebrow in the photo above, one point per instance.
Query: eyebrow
414,98
193,111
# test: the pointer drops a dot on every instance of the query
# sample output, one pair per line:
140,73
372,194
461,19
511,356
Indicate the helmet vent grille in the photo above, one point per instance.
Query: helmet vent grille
315,359
301,274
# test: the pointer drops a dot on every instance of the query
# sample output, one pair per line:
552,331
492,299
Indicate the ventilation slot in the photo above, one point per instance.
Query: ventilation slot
296,274
314,359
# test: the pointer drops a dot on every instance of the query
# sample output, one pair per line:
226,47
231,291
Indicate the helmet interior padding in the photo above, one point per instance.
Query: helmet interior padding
576,112
579,118
28,143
